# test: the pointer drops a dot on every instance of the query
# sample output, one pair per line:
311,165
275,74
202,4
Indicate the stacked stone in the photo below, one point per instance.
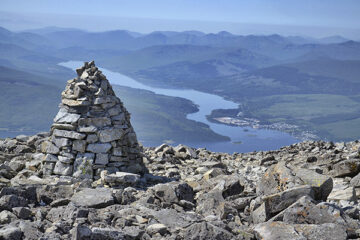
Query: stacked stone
92,130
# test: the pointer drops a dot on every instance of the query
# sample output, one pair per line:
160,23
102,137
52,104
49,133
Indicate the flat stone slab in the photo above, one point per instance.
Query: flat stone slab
64,117
99,147
109,135
93,198
68,134
280,230
122,178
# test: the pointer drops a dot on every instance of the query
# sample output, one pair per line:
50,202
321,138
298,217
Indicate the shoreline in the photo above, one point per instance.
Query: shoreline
254,123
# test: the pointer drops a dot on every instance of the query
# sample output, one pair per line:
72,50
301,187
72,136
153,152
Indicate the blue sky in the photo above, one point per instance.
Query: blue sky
305,17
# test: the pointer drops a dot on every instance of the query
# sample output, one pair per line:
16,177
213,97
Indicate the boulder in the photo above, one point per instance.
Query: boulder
304,211
355,181
321,184
93,198
280,230
205,230
276,231
173,192
326,231
7,217
10,233
276,179
347,194
22,212
345,168
8,202
280,201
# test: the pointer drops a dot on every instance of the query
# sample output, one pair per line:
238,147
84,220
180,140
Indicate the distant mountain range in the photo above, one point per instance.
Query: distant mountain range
247,69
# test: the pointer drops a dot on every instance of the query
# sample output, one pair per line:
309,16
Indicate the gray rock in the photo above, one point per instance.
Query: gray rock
30,230
68,134
156,228
7,217
92,138
205,230
276,179
51,158
321,184
75,103
211,203
56,214
48,168
261,214
212,173
279,201
109,135
347,194
87,129
114,111
49,147
64,169
346,168
101,159
122,178
133,232
276,231
97,122
10,233
173,192
22,149
83,166
355,181
6,171
8,202
79,145
280,230
100,100
93,198
22,212
63,126
16,166
213,164
117,152
326,231
81,232
304,211
107,233
61,142
65,159
64,116
60,202
99,147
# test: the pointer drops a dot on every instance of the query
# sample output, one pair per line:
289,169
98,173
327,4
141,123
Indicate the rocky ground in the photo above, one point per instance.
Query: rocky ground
304,191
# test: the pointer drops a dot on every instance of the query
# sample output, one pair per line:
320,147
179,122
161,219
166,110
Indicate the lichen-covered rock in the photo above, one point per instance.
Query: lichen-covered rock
83,166
322,184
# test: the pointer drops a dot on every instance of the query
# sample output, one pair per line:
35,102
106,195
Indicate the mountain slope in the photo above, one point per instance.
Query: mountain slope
26,101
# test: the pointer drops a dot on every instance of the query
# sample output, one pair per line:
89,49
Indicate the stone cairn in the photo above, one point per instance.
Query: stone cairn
92,131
